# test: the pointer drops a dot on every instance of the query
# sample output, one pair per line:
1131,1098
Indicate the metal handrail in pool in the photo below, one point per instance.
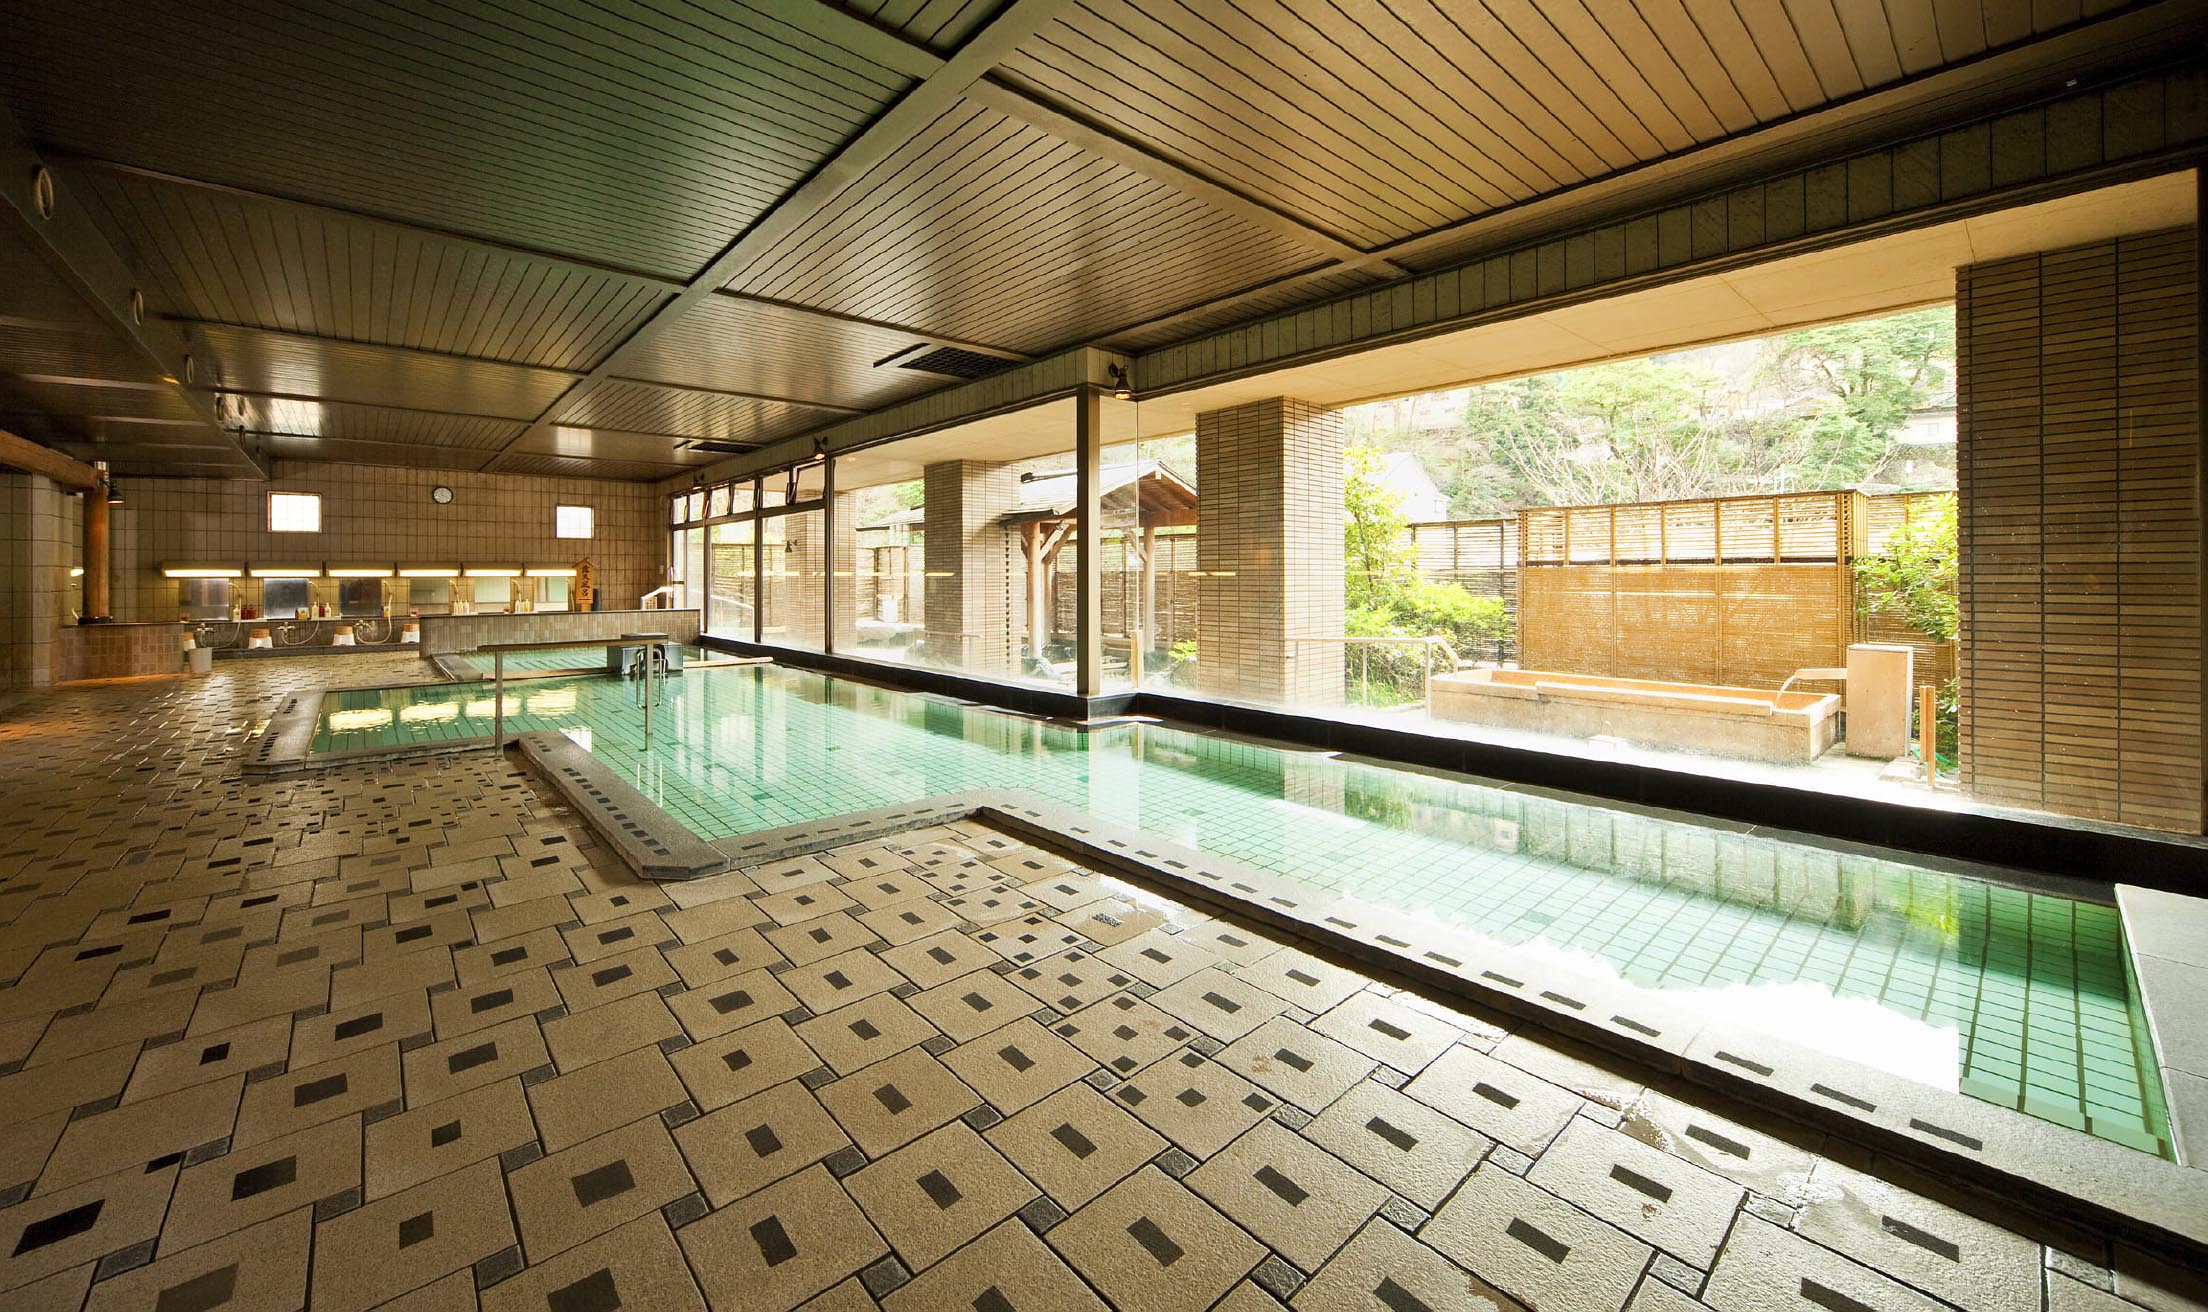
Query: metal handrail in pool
498,652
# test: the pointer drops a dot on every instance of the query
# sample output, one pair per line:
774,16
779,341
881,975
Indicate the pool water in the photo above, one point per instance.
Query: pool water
2014,997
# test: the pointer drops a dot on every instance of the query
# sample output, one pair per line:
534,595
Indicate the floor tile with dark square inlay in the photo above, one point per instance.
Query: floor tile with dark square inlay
750,1144
1150,1243
840,980
1534,1246
427,1142
81,1224
1218,1004
309,1096
1495,1098
589,1189
1195,1102
640,1020
1071,980
473,1007
822,937
1158,958
731,1003
972,1005
939,958
250,1185
1076,1144
609,979
1006,1268
731,1066
634,1266
905,921
773,1249
137,1133
604,1096
888,1105
1296,1197
1123,1033
1388,1031
1385,1270
471,1061
1402,1143
260,1266
1307,1069
865,1032
937,1192
1651,1195
1018,1064
386,1248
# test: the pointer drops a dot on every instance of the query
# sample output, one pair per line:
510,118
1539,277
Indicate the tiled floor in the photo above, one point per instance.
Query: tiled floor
402,1035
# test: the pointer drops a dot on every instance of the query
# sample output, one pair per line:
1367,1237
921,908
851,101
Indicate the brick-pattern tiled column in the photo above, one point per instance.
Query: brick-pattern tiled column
972,599
1269,552
34,577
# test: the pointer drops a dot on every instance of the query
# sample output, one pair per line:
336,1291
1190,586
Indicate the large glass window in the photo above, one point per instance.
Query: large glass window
573,521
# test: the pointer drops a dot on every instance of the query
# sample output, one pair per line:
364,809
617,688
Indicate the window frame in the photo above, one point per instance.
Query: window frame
590,523
297,498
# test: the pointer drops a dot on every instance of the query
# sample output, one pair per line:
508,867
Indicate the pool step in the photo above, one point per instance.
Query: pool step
653,843
289,737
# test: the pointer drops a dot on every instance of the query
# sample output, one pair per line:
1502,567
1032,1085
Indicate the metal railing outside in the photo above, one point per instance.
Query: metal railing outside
1430,646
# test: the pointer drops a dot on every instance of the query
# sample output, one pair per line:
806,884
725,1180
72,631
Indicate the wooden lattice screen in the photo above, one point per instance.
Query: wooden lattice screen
1740,591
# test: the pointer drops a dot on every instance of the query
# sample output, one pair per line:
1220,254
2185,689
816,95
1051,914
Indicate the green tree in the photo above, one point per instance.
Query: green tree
1914,576
1377,553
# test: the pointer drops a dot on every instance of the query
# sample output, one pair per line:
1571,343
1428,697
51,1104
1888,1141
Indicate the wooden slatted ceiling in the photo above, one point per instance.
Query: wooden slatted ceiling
347,451
939,25
569,466
382,424
986,229
258,361
745,345
1381,119
231,259
546,132
641,408
1248,306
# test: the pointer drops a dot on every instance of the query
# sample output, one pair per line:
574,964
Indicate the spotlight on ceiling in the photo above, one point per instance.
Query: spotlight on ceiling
1122,388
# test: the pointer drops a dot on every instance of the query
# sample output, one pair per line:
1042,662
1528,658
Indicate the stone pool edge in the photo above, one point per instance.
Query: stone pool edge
2056,1171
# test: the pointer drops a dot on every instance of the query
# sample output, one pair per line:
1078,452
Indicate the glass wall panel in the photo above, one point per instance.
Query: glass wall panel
730,609
796,570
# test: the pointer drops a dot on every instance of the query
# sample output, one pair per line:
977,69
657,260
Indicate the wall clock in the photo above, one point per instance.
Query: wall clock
441,494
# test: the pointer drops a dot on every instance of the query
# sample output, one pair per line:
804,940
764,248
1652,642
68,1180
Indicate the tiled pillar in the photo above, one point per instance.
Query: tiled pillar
1269,553
970,566
34,577
849,592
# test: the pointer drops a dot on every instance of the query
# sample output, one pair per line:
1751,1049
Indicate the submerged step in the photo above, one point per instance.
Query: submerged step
653,843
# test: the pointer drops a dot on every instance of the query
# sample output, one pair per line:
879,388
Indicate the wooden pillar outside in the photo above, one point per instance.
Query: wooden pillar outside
1150,585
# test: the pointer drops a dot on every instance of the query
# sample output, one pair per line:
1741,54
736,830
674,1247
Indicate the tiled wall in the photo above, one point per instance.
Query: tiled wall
1269,552
38,525
970,564
373,514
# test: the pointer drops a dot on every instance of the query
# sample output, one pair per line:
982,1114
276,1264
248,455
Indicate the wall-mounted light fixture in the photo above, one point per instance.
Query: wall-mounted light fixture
285,572
492,571
428,572
1122,386
360,571
552,572
200,571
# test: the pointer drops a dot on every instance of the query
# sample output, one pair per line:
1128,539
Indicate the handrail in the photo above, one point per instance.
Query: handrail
498,652
1429,642
564,643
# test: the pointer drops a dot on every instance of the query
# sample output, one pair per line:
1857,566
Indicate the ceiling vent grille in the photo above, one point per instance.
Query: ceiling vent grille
950,361
719,448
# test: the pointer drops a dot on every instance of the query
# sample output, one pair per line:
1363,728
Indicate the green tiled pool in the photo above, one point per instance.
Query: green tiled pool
2014,997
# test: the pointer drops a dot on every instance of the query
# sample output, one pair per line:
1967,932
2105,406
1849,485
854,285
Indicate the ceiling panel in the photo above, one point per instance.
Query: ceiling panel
316,368
749,346
368,423
216,255
643,408
1300,292
939,25
570,467
988,230
1383,119
342,451
543,126
610,444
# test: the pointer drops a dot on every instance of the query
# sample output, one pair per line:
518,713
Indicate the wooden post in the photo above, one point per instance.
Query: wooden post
1928,733
1717,580
1088,520
96,575
827,555
1149,583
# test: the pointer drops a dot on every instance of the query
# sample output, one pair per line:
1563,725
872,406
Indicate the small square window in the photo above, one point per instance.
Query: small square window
571,521
294,512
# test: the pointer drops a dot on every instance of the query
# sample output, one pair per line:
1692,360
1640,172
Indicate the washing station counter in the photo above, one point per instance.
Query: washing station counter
1784,727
